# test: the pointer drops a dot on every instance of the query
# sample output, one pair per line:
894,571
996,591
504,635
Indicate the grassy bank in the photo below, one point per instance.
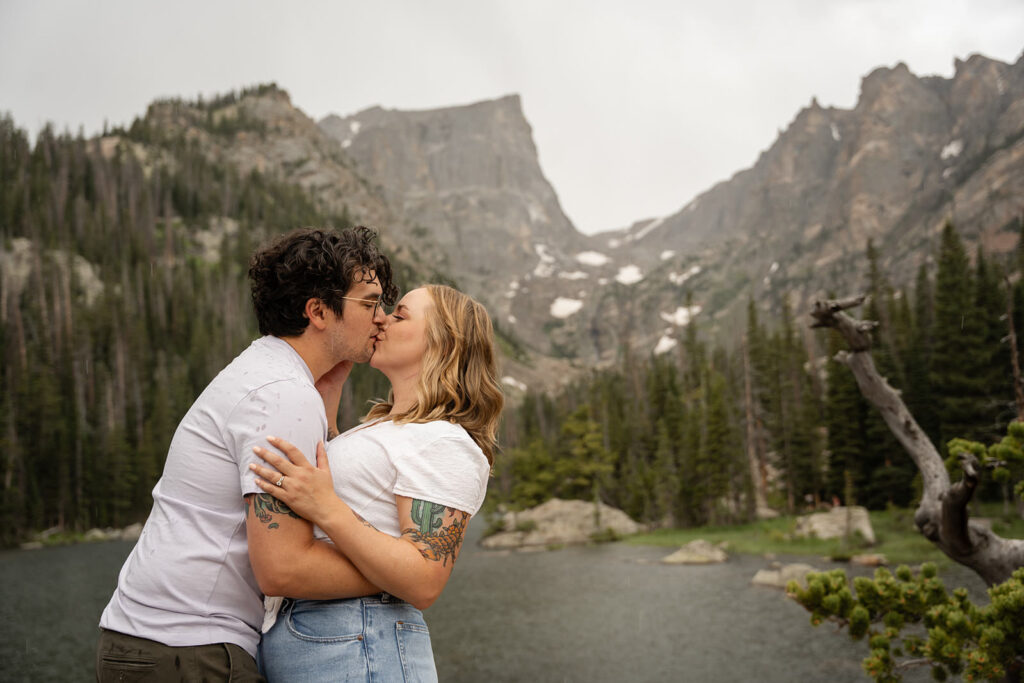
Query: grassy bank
897,537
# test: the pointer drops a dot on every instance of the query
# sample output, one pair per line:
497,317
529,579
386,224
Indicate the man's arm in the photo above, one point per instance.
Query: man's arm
288,561
414,567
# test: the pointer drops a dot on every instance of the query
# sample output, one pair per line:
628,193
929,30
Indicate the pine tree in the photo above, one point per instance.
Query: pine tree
921,398
994,353
845,415
718,456
959,364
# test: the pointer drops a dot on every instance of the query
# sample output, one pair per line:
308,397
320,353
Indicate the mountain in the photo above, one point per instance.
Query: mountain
913,153
468,180
460,193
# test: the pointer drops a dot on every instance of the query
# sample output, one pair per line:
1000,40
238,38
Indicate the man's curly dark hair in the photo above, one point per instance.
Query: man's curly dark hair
310,263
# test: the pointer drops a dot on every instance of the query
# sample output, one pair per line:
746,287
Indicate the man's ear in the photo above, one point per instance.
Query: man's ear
316,312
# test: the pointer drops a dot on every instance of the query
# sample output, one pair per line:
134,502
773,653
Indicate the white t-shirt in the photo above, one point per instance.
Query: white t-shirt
372,463
188,580
434,461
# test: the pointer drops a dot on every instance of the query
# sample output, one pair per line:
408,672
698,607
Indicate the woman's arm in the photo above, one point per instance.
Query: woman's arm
330,387
414,567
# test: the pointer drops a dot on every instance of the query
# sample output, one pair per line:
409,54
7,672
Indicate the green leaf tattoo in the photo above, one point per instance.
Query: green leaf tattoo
428,516
265,506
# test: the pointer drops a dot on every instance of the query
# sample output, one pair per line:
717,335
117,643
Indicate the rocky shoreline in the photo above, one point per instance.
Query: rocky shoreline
55,536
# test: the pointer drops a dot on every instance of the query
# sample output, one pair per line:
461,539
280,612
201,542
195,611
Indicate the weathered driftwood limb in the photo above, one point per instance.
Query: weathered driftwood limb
942,516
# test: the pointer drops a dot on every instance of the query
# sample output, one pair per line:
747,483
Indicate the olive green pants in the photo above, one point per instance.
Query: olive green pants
124,658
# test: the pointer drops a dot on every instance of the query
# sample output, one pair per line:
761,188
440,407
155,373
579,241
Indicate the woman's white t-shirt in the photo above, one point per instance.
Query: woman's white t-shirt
371,464
433,461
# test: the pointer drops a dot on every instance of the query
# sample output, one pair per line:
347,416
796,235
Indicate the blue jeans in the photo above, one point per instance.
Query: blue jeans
374,639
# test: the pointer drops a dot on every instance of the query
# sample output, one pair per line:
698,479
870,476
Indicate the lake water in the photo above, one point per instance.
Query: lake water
598,613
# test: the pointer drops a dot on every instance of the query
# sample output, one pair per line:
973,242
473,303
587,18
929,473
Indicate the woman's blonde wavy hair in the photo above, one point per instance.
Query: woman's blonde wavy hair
459,377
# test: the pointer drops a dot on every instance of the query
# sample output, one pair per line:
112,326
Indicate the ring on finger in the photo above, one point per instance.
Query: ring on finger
279,482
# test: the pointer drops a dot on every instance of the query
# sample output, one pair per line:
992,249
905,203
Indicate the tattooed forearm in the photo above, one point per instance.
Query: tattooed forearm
265,506
437,543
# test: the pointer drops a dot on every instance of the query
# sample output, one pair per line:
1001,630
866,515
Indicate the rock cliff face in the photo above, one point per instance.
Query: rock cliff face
468,180
913,153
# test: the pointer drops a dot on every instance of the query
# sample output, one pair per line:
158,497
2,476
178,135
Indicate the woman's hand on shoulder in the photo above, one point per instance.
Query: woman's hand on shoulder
308,490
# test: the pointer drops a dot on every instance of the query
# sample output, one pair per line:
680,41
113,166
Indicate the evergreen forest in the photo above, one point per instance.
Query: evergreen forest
123,292
708,434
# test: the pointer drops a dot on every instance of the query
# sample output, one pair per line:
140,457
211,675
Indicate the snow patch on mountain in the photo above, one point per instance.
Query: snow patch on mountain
563,307
952,150
680,278
681,316
592,258
664,345
629,275
513,382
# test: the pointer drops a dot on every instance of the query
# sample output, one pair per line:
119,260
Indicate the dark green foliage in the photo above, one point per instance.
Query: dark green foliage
845,416
959,369
920,395
982,643
116,313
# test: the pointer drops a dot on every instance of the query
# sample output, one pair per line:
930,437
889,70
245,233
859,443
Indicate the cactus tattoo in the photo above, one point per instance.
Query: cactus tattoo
427,515
432,538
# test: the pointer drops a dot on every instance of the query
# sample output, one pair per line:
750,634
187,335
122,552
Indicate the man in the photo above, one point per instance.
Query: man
187,604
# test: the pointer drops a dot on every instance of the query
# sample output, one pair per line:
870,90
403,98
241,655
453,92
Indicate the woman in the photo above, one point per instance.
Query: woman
394,494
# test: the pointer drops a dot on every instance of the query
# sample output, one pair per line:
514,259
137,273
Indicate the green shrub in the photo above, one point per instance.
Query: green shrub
982,643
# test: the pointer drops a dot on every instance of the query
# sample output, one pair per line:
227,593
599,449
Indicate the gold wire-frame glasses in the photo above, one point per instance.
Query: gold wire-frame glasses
378,305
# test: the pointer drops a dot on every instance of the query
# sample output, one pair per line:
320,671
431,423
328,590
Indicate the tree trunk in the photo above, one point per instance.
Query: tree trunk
942,515
756,481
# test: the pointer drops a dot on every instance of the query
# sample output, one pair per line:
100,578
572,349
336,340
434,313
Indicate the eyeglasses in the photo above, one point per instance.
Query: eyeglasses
378,305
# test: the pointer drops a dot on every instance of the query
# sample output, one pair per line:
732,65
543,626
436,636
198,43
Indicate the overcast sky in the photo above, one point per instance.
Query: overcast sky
636,107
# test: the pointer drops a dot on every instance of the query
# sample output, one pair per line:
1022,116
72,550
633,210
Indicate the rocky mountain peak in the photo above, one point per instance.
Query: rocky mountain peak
467,180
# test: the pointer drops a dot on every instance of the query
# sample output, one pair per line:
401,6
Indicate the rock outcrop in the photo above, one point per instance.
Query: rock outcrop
837,523
697,552
778,577
560,522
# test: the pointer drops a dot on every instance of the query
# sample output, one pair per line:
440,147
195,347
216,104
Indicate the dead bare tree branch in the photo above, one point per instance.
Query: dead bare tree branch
942,515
